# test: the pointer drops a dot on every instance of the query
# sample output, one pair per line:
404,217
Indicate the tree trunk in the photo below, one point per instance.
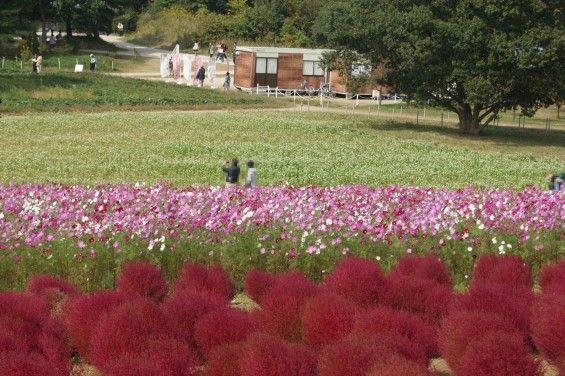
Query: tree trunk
468,121
69,28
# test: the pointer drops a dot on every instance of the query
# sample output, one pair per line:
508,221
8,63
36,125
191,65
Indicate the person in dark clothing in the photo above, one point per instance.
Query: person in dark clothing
200,75
232,172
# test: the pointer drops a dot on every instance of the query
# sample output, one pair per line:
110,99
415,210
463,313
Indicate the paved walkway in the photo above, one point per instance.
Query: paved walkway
130,49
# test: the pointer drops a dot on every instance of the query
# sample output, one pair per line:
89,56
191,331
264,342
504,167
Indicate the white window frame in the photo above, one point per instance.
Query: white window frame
312,68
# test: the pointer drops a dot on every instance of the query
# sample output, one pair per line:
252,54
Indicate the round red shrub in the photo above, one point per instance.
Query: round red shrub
499,353
359,280
82,316
267,355
161,357
48,285
31,340
126,330
513,304
551,278
396,365
425,267
460,328
548,326
256,283
212,279
509,270
355,354
223,360
388,321
142,279
25,364
182,310
222,326
426,298
282,305
326,318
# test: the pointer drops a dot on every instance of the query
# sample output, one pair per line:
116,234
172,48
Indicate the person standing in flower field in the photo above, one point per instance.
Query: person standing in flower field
251,179
232,172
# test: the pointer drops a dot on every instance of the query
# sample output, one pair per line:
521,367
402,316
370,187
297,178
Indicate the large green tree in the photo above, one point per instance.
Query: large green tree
475,57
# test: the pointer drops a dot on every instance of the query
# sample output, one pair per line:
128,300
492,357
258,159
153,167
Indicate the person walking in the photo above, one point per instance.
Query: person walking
251,179
235,52
93,62
232,172
34,63
210,49
200,75
227,81
39,62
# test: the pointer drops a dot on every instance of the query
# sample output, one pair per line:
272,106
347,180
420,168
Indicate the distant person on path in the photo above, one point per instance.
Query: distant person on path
93,62
171,66
211,49
222,52
34,63
227,81
251,179
39,62
121,29
52,40
232,172
235,52
200,76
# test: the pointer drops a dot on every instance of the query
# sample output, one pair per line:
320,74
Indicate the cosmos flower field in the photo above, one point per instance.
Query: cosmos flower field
84,233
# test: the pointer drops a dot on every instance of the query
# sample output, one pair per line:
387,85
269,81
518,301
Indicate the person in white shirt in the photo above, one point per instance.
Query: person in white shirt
251,179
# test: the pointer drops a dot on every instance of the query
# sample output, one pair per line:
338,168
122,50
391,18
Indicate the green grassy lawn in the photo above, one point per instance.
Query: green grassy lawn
294,147
93,92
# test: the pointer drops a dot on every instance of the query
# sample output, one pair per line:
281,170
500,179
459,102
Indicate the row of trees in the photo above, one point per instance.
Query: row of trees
475,57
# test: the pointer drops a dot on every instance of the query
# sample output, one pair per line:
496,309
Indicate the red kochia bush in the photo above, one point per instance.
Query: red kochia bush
359,280
160,358
142,279
125,331
326,318
281,306
224,360
499,353
356,354
182,310
396,365
548,328
212,279
514,304
220,327
509,270
425,267
82,316
552,278
426,298
48,286
267,355
31,341
459,329
387,321
256,283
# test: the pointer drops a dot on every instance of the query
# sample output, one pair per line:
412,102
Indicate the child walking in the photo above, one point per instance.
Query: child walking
227,81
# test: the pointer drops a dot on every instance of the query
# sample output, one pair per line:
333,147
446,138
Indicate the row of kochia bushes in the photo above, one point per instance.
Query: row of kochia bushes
358,321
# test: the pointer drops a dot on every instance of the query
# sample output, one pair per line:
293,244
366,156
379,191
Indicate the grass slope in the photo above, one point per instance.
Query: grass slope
298,148
87,92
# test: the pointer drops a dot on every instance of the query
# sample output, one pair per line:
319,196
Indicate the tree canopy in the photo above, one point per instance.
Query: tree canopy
475,57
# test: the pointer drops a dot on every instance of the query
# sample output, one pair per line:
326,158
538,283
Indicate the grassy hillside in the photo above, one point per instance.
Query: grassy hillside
88,92
295,147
